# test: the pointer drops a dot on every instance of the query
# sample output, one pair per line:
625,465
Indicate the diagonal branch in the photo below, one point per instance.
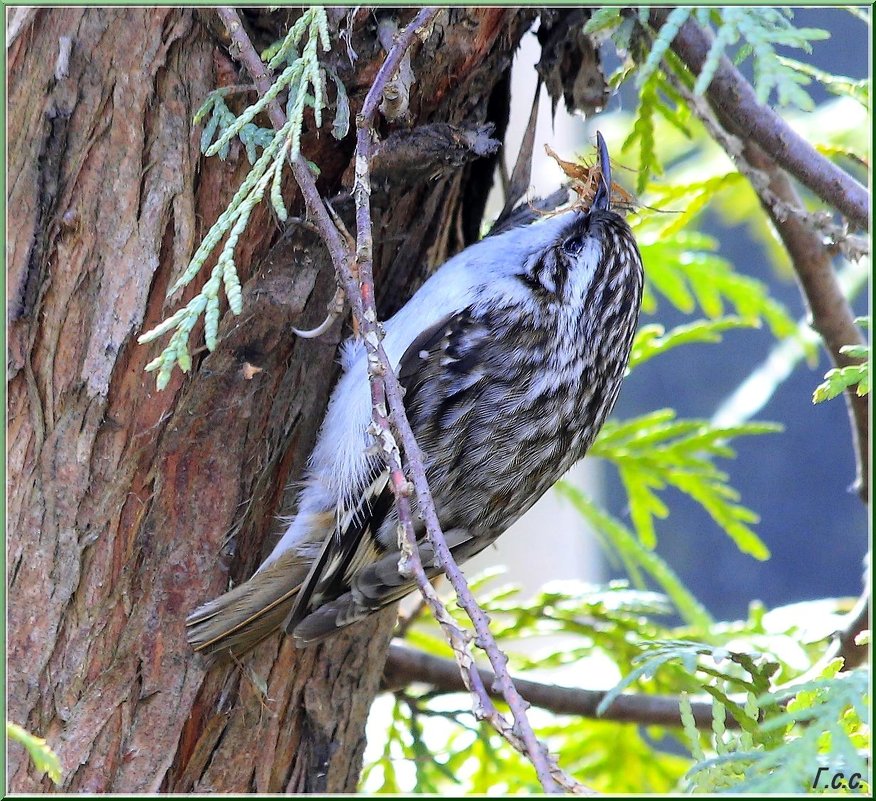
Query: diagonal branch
521,734
829,310
244,51
385,388
734,99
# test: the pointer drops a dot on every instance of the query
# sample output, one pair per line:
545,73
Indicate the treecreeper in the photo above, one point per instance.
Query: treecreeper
511,356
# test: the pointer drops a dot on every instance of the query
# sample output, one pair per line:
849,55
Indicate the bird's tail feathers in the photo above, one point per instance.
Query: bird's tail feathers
241,618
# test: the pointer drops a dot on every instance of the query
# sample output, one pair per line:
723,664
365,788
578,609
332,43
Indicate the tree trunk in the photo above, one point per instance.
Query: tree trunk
127,507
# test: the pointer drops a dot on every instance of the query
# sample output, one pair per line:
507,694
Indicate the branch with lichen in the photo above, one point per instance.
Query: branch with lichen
386,397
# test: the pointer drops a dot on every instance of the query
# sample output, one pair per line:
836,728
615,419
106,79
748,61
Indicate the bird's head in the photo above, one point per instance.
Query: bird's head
574,259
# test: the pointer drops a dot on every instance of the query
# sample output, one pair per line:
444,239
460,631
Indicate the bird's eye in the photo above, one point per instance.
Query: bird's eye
573,245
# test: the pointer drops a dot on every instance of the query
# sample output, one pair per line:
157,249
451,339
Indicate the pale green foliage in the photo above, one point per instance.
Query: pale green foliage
253,137
476,760
653,339
302,76
823,724
639,561
733,670
656,450
684,266
657,96
643,134
680,202
761,29
436,745
704,179
607,18
304,80
839,379
660,46
616,634
686,270
747,669
837,84
739,33
753,31
44,759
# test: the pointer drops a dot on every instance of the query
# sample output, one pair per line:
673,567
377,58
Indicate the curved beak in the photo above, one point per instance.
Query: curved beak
602,199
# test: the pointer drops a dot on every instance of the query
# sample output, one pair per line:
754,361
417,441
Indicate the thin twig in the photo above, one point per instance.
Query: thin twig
829,310
407,619
732,94
407,665
521,734
385,387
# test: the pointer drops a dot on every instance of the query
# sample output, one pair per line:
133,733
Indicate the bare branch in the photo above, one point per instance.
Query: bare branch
734,99
426,151
406,665
831,315
852,247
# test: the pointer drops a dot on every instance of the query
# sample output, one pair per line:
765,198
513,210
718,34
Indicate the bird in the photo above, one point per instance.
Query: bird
511,356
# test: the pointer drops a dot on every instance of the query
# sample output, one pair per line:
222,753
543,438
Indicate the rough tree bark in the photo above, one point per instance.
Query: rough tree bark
127,507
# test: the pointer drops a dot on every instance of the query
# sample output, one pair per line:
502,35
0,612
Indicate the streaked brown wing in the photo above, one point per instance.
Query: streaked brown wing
351,545
437,366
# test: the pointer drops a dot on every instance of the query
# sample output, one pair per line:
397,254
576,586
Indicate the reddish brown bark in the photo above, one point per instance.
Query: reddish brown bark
127,507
